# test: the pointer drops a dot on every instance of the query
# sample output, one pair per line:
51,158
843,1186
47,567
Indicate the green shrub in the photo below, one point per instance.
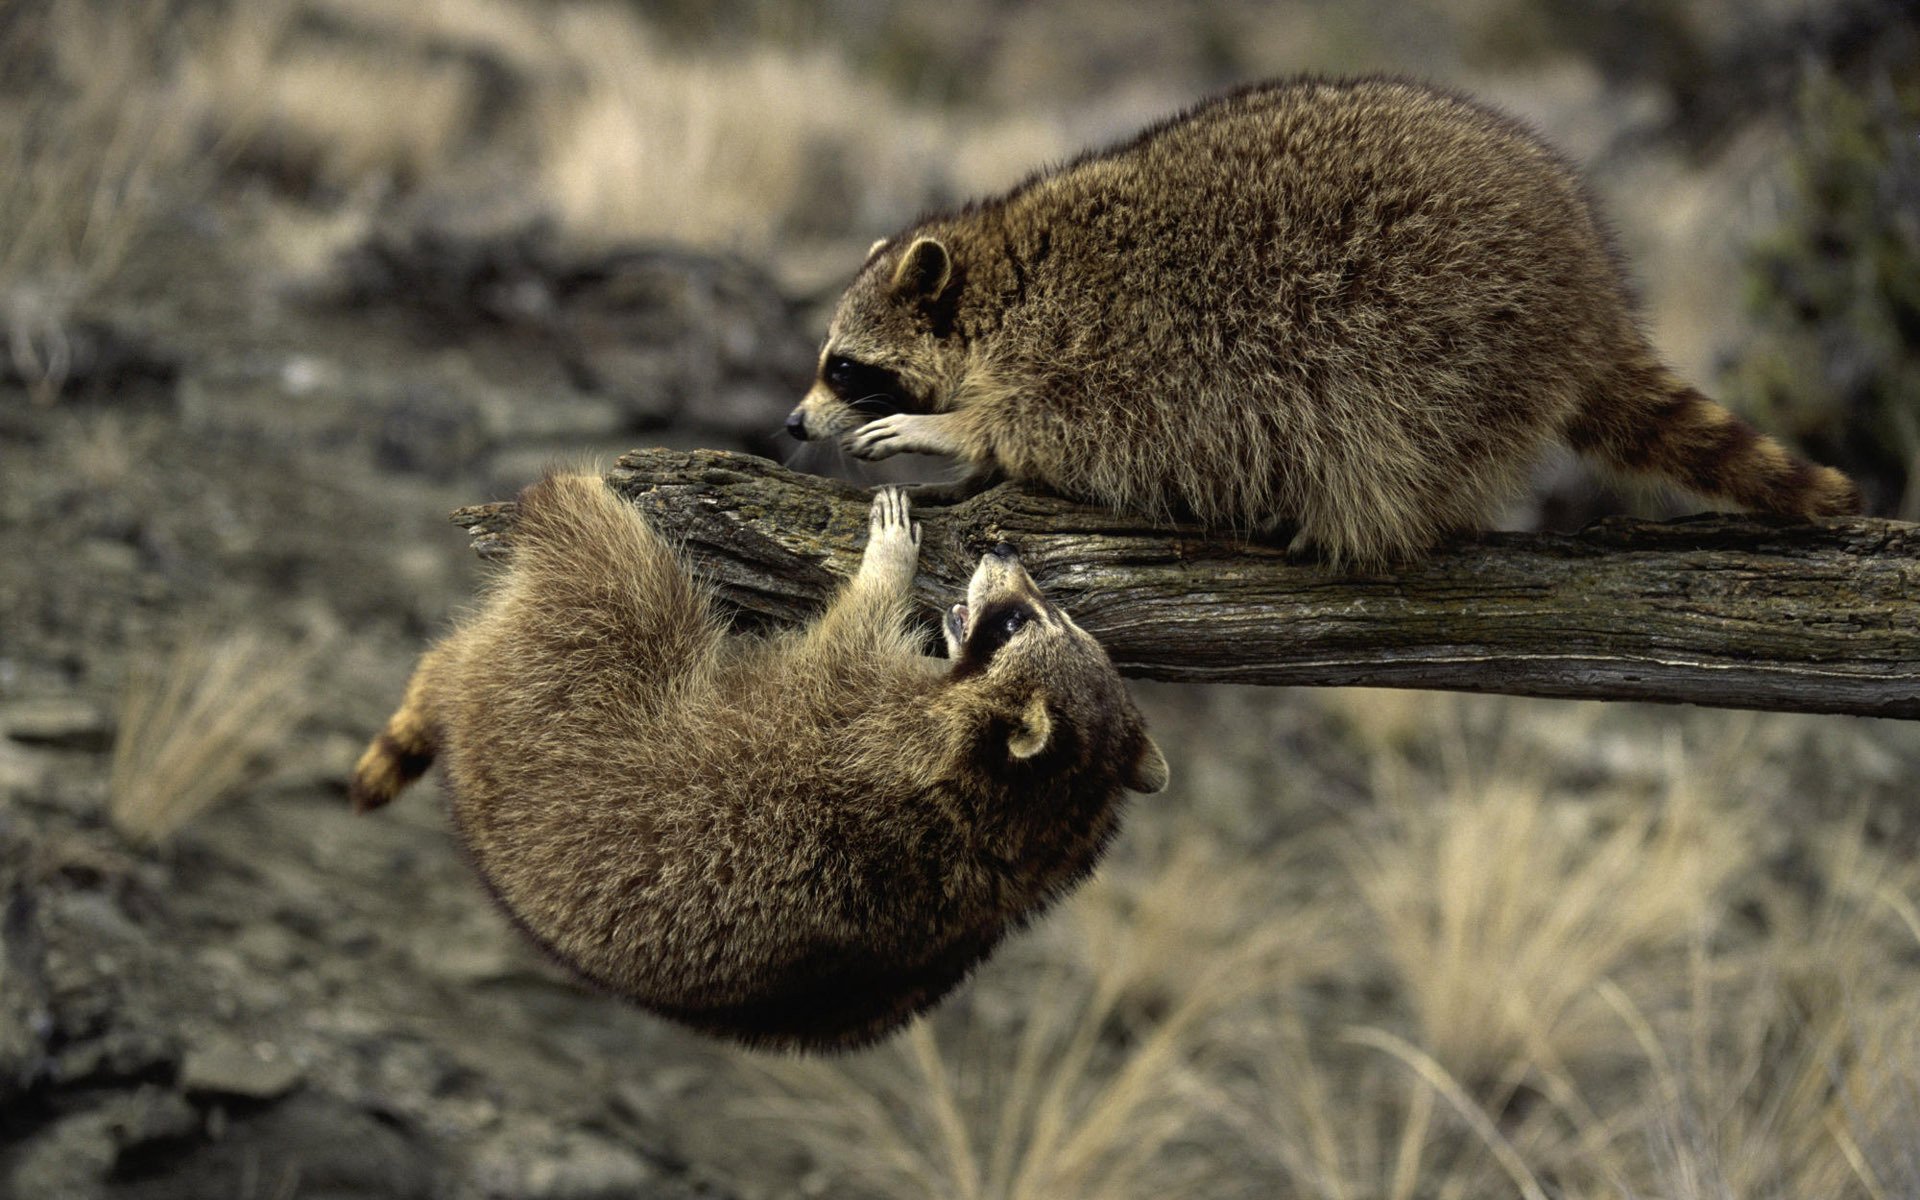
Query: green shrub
1835,288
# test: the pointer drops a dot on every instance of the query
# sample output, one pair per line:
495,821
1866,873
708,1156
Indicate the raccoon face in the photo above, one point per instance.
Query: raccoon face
1059,703
889,347
1003,604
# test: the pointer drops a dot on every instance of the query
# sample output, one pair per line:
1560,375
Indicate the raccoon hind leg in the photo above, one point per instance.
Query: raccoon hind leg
404,749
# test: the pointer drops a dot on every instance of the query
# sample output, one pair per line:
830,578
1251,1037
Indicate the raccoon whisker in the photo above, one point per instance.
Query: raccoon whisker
799,451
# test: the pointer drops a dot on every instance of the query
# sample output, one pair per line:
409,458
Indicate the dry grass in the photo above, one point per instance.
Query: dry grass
85,158
1492,983
1321,1123
1082,1085
195,726
750,148
574,111
351,118
1501,907
649,147
612,134
1794,1069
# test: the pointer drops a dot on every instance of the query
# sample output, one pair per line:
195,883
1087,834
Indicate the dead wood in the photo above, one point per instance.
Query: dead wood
1736,612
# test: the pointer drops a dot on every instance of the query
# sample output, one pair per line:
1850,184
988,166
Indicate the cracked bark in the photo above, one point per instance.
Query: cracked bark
1736,612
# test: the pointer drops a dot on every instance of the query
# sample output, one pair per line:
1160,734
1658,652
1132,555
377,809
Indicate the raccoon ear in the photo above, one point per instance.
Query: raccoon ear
874,249
1149,772
923,271
1032,729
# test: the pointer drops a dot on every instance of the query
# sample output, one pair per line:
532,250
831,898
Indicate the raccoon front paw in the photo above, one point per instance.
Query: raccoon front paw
893,541
901,433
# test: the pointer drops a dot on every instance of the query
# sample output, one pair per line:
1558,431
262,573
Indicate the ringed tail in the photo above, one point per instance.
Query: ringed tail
1649,420
399,754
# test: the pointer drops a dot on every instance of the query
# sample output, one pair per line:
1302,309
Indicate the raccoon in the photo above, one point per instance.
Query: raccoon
1365,309
797,840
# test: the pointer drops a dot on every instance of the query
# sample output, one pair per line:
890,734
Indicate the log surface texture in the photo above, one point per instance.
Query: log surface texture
1736,612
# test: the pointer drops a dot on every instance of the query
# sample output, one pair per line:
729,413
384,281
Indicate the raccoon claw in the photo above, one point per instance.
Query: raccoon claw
901,433
890,516
893,540
876,440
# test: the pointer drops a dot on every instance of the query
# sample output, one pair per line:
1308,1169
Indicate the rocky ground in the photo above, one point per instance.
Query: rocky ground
285,999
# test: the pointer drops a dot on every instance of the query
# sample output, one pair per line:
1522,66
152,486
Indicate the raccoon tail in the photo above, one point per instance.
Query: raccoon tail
1648,420
605,593
401,752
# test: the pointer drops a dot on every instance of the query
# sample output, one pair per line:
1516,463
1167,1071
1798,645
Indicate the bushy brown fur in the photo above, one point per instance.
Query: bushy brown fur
1366,308
794,840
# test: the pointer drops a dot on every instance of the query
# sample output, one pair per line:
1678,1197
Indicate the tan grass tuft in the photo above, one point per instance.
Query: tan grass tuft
652,144
83,161
514,33
1502,908
1361,1113
1072,1087
344,116
195,725
753,148
1795,1068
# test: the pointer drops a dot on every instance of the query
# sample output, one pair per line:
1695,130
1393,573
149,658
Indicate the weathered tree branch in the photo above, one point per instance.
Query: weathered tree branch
1727,611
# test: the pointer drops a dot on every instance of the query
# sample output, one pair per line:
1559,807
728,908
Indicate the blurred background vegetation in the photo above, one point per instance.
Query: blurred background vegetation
281,281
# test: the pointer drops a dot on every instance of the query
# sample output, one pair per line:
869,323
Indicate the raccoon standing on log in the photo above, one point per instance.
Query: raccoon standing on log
1364,308
797,840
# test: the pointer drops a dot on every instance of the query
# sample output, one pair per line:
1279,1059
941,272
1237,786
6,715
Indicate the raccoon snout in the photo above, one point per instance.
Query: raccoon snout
797,425
1002,550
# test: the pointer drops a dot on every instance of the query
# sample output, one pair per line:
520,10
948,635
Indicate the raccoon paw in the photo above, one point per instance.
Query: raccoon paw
893,541
901,433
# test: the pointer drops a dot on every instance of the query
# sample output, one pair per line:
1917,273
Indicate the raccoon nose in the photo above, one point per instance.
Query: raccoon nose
1003,550
797,426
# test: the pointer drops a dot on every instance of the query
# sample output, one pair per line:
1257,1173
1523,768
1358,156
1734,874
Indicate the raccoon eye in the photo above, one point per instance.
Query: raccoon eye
867,389
995,629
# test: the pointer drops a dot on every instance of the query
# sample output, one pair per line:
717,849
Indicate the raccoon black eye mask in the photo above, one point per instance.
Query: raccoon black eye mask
866,389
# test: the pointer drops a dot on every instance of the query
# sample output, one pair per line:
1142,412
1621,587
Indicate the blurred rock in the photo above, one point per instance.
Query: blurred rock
62,722
309,1145
25,1023
483,957
430,432
227,1066
83,359
665,334
75,1156
539,1163
21,769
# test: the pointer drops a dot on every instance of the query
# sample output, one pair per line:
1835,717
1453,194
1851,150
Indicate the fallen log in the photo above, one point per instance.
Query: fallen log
1731,611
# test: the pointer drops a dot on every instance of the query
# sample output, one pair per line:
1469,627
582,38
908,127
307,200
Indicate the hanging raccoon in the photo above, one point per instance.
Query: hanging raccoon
1361,309
796,840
